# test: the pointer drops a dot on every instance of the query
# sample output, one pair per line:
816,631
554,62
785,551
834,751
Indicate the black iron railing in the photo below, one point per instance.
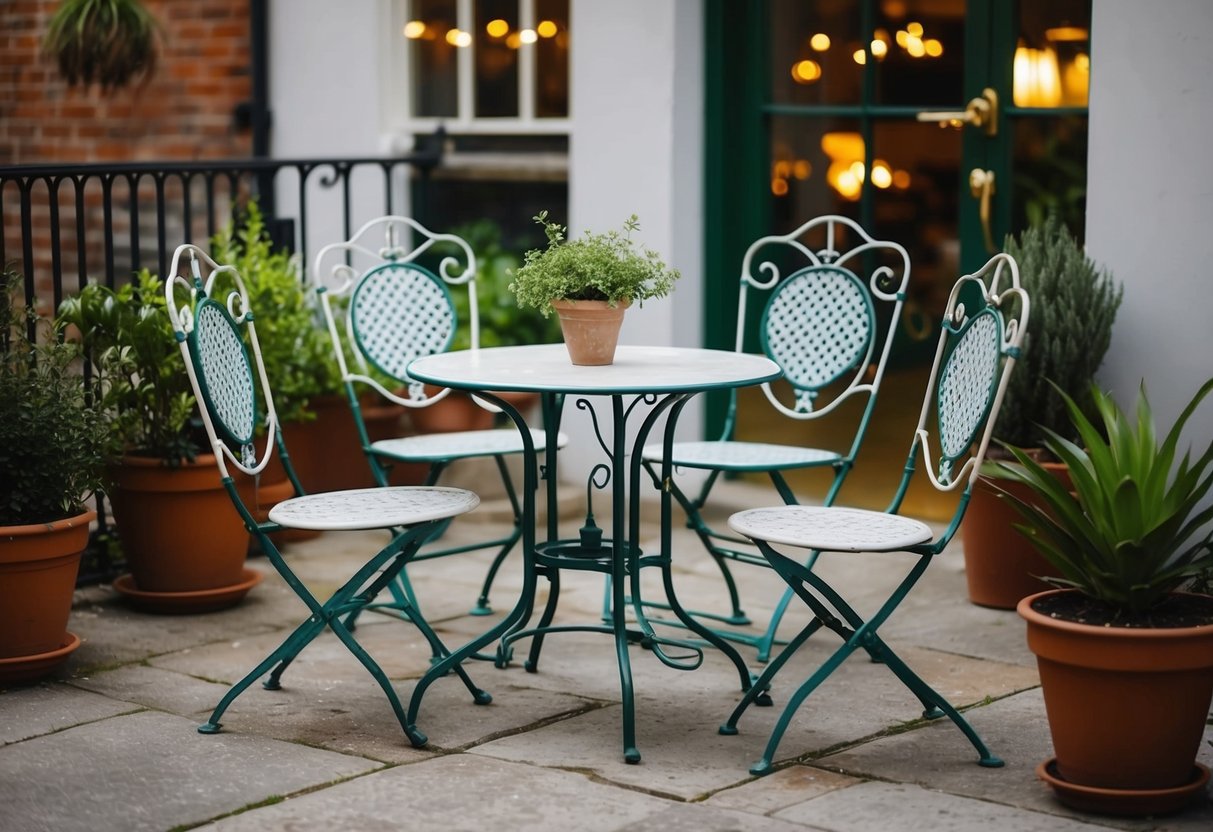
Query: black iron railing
62,226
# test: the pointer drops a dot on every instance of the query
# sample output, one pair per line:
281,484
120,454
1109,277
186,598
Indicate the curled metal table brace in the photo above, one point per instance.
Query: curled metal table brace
663,379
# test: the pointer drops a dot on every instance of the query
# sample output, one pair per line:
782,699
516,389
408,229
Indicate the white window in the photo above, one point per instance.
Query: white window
482,66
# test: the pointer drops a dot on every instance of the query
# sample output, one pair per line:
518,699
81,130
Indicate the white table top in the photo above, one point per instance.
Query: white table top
546,368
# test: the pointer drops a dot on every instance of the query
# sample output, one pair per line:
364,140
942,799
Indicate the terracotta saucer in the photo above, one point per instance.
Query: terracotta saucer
184,603
19,670
1129,802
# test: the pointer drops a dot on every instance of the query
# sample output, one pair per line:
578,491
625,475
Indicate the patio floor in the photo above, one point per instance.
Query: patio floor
111,743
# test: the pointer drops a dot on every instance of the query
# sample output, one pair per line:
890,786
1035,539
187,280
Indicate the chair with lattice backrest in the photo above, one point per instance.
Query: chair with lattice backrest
979,341
218,339
830,331
385,307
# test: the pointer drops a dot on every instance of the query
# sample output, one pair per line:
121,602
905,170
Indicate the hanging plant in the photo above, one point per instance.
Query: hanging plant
110,42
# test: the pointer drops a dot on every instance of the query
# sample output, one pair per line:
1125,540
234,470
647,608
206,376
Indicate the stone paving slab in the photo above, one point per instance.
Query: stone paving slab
464,792
880,807
46,708
146,771
780,789
1016,730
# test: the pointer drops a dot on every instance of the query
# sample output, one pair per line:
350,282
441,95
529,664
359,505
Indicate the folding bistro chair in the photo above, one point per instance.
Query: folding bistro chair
830,331
217,336
983,327
384,309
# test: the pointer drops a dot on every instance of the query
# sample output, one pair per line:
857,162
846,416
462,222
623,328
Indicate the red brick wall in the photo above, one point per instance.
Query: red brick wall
185,110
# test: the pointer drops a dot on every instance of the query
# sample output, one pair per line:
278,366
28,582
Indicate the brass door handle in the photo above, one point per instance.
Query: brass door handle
980,112
981,184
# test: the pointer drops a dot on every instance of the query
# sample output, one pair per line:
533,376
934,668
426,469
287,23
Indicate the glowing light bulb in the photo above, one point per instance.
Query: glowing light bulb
860,57
414,29
820,42
546,29
497,28
528,36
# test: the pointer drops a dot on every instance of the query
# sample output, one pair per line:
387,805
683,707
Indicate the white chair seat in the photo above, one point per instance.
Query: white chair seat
372,508
741,456
831,529
434,447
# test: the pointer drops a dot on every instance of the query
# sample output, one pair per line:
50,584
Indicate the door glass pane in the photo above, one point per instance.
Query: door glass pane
432,66
813,49
497,41
1050,166
918,49
552,59
813,169
1053,53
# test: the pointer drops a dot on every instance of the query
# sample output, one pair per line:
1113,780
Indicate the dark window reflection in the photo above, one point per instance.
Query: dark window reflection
432,72
496,40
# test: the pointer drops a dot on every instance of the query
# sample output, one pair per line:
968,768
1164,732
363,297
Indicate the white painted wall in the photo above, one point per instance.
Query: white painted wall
1150,197
637,147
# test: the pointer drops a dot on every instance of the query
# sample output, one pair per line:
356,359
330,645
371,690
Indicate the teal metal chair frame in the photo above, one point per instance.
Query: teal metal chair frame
216,339
822,325
983,328
383,309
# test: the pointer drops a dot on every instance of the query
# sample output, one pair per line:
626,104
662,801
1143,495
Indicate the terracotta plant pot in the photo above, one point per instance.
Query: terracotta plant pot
591,329
178,527
38,566
1126,706
1001,566
327,453
455,412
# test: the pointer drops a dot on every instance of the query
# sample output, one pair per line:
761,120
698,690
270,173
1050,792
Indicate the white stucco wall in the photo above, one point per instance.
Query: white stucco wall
637,147
1150,197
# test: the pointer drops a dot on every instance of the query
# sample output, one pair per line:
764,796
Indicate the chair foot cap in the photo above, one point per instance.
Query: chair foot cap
932,713
416,738
481,608
482,697
209,728
991,761
764,700
760,768
530,666
271,684
727,730
631,756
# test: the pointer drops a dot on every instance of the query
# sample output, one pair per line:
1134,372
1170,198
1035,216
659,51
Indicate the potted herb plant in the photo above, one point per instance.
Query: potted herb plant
590,282
1125,657
183,542
111,42
1074,305
51,456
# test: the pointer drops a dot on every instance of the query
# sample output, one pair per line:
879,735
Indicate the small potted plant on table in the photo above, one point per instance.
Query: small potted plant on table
1125,658
51,456
590,282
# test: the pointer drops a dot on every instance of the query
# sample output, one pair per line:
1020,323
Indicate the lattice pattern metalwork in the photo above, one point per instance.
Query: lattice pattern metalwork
816,300
373,508
967,384
225,371
394,293
831,529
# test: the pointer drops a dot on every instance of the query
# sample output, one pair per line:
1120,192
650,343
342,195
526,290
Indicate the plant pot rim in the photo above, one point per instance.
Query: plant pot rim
1024,608
143,461
568,303
25,529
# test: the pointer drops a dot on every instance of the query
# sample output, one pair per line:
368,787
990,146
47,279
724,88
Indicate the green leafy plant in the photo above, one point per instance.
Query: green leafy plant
1134,528
503,322
607,266
297,352
107,41
52,441
1074,304
144,393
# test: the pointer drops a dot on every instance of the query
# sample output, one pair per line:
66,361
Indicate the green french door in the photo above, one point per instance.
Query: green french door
941,124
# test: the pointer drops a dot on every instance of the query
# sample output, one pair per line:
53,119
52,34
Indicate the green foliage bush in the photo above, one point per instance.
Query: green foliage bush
144,393
607,266
52,442
1074,304
1135,526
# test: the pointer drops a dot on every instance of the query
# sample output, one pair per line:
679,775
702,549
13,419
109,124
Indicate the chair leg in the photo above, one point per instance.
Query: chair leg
545,620
482,603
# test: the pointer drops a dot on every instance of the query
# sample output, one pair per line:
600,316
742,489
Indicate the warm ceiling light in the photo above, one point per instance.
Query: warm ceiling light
914,47
933,46
801,169
1060,34
513,41
901,179
820,42
1036,78
546,29
458,37
903,37
414,29
497,28
879,48
860,57
528,36
882,177
806,72
914,29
